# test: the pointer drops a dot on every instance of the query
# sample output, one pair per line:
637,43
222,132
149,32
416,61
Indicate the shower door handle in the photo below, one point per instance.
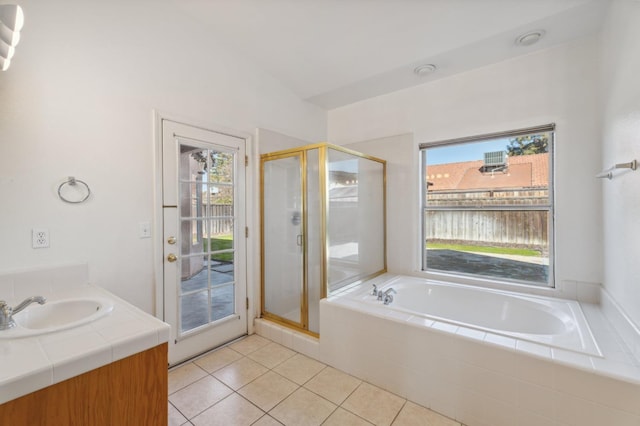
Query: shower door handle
299,240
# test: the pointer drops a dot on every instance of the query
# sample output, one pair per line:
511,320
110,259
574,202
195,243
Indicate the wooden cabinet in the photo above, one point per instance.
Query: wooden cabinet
132,391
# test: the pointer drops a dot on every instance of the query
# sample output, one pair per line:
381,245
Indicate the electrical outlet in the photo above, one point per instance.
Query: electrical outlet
39,238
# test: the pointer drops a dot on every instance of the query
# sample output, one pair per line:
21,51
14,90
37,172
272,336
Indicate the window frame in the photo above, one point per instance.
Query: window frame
549,207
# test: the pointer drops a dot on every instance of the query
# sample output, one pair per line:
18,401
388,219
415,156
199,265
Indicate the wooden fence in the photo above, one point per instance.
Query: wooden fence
501,228
223,225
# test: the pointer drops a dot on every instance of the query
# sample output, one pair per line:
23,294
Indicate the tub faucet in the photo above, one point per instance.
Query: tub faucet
7,312
383,294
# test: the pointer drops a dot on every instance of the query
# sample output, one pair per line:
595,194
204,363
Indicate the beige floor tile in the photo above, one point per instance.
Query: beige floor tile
184,375
175,417
299,368
333,385
268,390
303,408
239,373
249,344
342,417
198,396
374,404
217,359
413,414
267,420
271,355
233,410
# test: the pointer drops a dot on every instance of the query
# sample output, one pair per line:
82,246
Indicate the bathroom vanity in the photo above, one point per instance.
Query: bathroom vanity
101,368
131,391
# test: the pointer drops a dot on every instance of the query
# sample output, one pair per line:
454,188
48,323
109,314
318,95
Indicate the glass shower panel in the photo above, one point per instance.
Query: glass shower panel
355,222
282,238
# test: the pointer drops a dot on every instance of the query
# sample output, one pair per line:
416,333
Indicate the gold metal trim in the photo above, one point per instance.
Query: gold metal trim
384,214
289,324
263,309
318,146
304,305
324,206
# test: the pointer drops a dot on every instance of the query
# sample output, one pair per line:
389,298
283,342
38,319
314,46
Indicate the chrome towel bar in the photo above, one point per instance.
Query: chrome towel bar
633,165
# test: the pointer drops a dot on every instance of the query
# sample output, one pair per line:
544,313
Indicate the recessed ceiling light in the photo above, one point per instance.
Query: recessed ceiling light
529,38
423,70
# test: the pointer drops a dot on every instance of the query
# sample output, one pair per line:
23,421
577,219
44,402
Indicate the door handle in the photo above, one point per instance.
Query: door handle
172,257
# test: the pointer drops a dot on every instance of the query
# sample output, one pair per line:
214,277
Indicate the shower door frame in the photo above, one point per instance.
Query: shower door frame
304,294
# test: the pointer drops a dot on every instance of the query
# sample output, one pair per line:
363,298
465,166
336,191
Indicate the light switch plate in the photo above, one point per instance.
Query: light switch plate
145,230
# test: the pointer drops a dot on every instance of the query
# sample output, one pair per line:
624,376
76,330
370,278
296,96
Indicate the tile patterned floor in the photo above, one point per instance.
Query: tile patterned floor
255,381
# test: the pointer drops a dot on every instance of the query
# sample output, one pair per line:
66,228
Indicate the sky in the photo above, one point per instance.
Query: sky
464,152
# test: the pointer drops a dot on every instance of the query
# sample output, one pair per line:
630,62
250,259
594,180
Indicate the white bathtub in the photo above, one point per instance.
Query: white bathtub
554,322
482,357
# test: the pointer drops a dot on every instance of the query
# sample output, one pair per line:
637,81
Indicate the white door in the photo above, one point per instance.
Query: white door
204,238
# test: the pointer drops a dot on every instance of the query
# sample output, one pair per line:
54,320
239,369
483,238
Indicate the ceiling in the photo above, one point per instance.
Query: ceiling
336,52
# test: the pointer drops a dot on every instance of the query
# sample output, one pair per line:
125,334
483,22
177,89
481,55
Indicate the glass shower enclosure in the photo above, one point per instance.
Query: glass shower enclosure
323,228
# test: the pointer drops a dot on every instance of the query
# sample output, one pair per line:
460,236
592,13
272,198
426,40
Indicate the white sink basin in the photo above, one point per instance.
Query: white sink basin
57,315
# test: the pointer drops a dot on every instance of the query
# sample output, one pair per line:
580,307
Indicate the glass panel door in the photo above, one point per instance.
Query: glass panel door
283,239
204,242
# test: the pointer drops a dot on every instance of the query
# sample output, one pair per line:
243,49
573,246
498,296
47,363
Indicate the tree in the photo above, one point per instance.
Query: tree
527,145
219,168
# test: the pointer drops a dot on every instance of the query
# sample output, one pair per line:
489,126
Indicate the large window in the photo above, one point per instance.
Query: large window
488,206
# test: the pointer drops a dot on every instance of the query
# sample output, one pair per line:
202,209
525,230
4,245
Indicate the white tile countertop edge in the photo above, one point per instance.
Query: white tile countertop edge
28,364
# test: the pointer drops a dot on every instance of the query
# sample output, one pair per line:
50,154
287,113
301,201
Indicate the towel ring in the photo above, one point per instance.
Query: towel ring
73,182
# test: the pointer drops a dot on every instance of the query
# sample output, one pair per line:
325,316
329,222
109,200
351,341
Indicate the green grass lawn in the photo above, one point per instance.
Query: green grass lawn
221,242
485,249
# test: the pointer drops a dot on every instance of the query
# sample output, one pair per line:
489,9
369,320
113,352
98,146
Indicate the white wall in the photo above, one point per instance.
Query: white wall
556,85
78,100
621,143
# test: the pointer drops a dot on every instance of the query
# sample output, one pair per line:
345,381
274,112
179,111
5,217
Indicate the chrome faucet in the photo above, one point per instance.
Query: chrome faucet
383,294
7,312
388,297
375,290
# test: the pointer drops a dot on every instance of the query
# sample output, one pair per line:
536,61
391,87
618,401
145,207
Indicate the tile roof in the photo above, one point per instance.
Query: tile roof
523,171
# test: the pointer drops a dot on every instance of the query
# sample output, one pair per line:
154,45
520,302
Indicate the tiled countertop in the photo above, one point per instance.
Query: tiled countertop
31,363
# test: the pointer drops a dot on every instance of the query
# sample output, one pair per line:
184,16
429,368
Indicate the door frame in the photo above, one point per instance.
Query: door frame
251,204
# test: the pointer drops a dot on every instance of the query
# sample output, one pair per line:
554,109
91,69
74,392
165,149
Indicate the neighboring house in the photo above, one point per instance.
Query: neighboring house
522,179
521,171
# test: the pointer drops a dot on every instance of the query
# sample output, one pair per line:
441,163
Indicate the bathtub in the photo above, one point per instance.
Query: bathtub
482,357
553,322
